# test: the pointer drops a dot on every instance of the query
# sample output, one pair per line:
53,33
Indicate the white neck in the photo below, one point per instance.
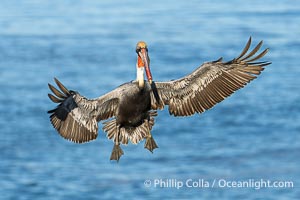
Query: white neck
140,76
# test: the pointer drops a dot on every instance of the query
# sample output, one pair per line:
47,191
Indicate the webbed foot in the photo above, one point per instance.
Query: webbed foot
116,153
150,144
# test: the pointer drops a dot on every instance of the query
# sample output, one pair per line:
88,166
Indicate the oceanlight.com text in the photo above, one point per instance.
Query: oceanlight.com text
217,183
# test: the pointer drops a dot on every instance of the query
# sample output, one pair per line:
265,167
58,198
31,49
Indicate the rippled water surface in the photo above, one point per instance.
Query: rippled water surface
90,46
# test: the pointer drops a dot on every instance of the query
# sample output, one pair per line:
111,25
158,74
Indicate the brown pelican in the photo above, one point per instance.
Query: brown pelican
132,106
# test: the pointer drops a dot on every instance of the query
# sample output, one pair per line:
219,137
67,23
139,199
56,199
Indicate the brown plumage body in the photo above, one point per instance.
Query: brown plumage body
134,105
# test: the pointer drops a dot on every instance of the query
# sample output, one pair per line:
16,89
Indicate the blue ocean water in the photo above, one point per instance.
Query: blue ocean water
90,46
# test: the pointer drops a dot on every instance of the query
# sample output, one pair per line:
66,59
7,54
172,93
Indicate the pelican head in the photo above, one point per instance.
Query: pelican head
142,63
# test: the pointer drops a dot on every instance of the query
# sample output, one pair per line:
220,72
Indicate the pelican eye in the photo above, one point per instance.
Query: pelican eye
138,49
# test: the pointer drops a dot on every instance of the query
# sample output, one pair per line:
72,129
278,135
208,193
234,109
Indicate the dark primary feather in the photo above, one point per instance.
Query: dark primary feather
210,83
62,110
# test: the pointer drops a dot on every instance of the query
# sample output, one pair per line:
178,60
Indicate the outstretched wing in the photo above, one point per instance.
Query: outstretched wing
209,84
76,117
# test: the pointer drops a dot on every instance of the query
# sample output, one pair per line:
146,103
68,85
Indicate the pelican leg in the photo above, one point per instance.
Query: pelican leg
150,143
117,152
